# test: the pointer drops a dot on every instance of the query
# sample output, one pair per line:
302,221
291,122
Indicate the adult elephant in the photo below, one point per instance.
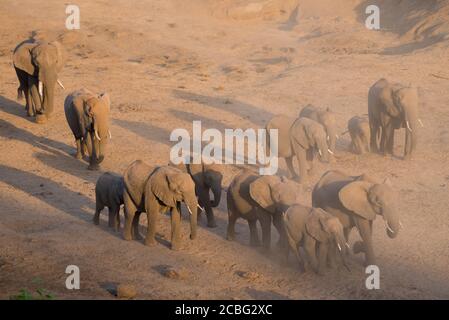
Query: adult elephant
392,106
155,191
302,138
37,66
207,177
88,117
356,201
326,118
260,198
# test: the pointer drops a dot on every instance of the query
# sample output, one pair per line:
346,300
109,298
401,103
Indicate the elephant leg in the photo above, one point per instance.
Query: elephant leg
204,201
117,219
98,207
175,228
33,88
265,222
232,218
279,225
113,213
294,247
322,256
79,151
331,254
310,153
302,162
135,226
254,234
152,217
31,112
310,249
290,167
389,138
366,234
373,137
130,211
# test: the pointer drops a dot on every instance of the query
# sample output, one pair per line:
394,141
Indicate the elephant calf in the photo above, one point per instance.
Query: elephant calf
109,193
260,198
358,128
300,137
315,230
88,117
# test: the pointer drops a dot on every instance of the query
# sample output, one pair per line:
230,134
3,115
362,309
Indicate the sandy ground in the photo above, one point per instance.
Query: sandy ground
167,63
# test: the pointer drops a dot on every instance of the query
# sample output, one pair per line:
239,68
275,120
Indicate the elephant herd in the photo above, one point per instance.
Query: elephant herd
317,235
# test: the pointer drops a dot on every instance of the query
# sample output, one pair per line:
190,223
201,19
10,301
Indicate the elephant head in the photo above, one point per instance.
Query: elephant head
172,186
44,61
324,227
367,199
274,194
94,121
311,134
210,176
401,103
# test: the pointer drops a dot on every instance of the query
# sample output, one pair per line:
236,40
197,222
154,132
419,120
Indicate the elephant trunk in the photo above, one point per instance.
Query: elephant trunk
332,134
411,127
323,151
216,190
342,246
192,205
101,135
48,79
392,223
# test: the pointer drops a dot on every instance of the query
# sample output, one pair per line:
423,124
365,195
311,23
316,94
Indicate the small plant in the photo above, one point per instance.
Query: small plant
40,294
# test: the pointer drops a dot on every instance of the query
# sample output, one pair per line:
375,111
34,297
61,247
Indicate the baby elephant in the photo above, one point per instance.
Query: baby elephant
109,193
316,231
358,128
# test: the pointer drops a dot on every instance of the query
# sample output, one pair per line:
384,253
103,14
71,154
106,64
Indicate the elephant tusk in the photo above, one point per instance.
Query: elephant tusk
190,211
347,245
338,245
328,138
201,208
408,126
41,88
328,150
336,136
319,151
389,229
110,135
96,135
420,122
60,84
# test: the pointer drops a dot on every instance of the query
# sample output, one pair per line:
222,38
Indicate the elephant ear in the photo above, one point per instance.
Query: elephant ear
22,58
135,178
315,225
105,98
389,99
299,132
260,192
164,186
196,171
354,197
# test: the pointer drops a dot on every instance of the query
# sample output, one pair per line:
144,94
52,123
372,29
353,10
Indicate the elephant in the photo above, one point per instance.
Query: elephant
356,201
260,198
359,130
313,229
326,118
37,65
393,106
207,177
155,191
109,193
88,117
299,137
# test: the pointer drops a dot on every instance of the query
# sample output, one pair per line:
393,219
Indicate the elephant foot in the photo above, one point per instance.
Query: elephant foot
255,243
30,114
211,224
192,236
96,221
41,118
150,243
175,247
78,156
137,236
230,237
127,237
93,167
